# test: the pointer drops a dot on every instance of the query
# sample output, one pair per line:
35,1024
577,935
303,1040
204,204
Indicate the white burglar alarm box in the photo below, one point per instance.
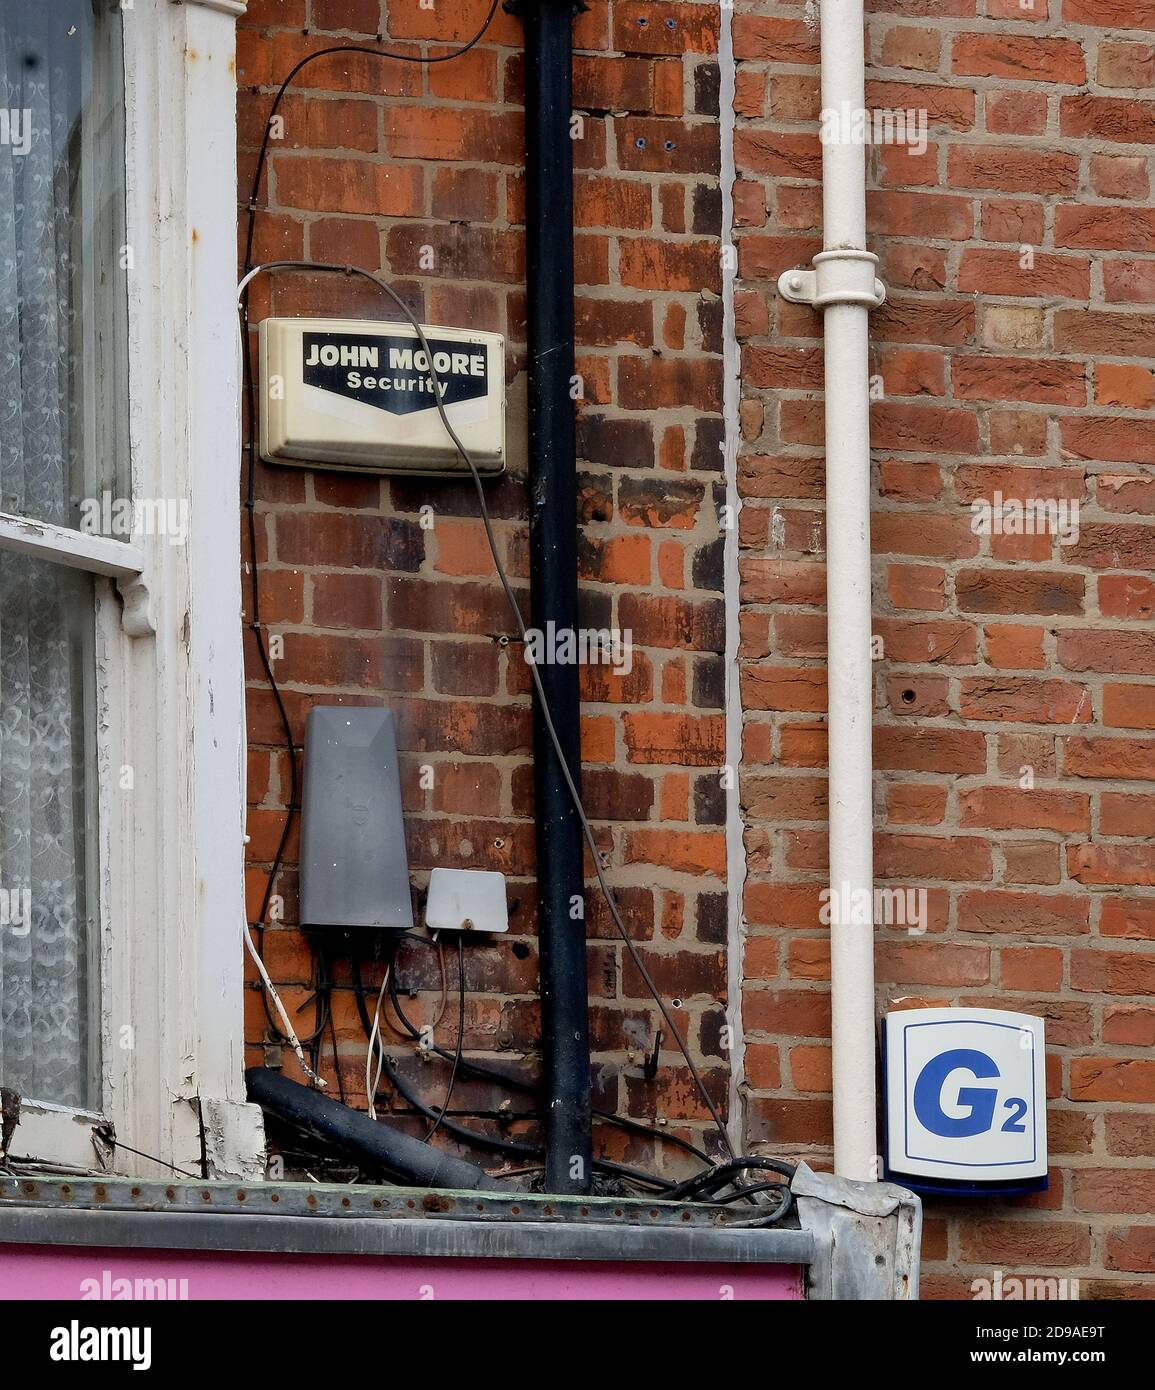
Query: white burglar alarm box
966,1107
359,395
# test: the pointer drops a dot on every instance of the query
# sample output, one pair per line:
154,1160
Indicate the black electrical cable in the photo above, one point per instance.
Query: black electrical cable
323,953
321,999
460,1039
250,501
359,993
741,1193
766,1216
108,1136
412,1098
515,1083
423,60
513,1147
337,1060
723,1173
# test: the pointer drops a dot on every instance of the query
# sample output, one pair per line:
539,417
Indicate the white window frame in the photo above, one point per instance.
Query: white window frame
168,647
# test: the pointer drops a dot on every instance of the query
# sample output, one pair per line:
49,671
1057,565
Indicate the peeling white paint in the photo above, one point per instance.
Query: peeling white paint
731,390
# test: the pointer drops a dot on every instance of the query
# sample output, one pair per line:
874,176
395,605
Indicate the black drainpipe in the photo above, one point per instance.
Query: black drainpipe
553,585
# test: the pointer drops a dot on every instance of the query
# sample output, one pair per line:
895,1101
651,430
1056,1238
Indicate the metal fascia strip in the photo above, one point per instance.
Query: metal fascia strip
366,1236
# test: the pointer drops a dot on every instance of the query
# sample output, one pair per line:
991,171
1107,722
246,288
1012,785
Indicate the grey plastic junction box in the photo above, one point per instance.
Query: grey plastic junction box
354,872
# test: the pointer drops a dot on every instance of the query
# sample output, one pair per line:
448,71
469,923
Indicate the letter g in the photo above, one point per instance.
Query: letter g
928,1094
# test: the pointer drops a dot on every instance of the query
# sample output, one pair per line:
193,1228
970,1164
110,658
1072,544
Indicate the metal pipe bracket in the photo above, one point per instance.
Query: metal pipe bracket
844,276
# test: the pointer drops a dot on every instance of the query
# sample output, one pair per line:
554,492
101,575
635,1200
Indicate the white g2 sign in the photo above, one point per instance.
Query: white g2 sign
966,1094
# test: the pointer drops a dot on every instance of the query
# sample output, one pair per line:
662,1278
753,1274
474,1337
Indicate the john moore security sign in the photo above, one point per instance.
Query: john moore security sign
392,373
966,1097
342,393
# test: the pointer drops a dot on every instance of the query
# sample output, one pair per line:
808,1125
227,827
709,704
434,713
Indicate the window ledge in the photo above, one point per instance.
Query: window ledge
233,7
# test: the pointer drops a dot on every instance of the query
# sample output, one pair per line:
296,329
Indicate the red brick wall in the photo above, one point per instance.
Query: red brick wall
378,160
1014,355
1015,352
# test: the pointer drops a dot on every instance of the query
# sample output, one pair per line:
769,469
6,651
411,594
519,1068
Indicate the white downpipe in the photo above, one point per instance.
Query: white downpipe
843,286
848,608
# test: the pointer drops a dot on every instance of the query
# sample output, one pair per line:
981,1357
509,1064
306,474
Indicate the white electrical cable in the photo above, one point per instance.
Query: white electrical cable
290,1033
376,1044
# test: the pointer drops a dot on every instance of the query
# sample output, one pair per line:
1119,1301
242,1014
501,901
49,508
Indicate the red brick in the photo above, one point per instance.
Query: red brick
680,739
1123,813
1032,968
1126,492
1126,385
1019,57
1130,918
644,26
666,147
1120,176
763,39
655,383
1039,914
1113,1190
1121,758
1112,864
766,686
1132,1025
692,852
1125,64
1129,706
421,132
935,215
346,601
907,46
1008,808
916,586
602,201
1127,652
988,271
1025,1244
989,378
665,265
411,20
1111,227
1016,113
915,804
1130,1135
1107,118
1012,591
928,749
470,77
1113,972
1024,699
1016,220
925,962
1121,1079
1131,1248
1126,597
1015,646
349,185
957,858
1016,170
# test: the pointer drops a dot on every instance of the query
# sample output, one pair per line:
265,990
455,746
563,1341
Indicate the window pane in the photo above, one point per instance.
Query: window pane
47,937
63,287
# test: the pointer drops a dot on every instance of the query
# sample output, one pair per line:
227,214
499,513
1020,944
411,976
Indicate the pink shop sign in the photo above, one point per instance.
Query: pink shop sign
92,1274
